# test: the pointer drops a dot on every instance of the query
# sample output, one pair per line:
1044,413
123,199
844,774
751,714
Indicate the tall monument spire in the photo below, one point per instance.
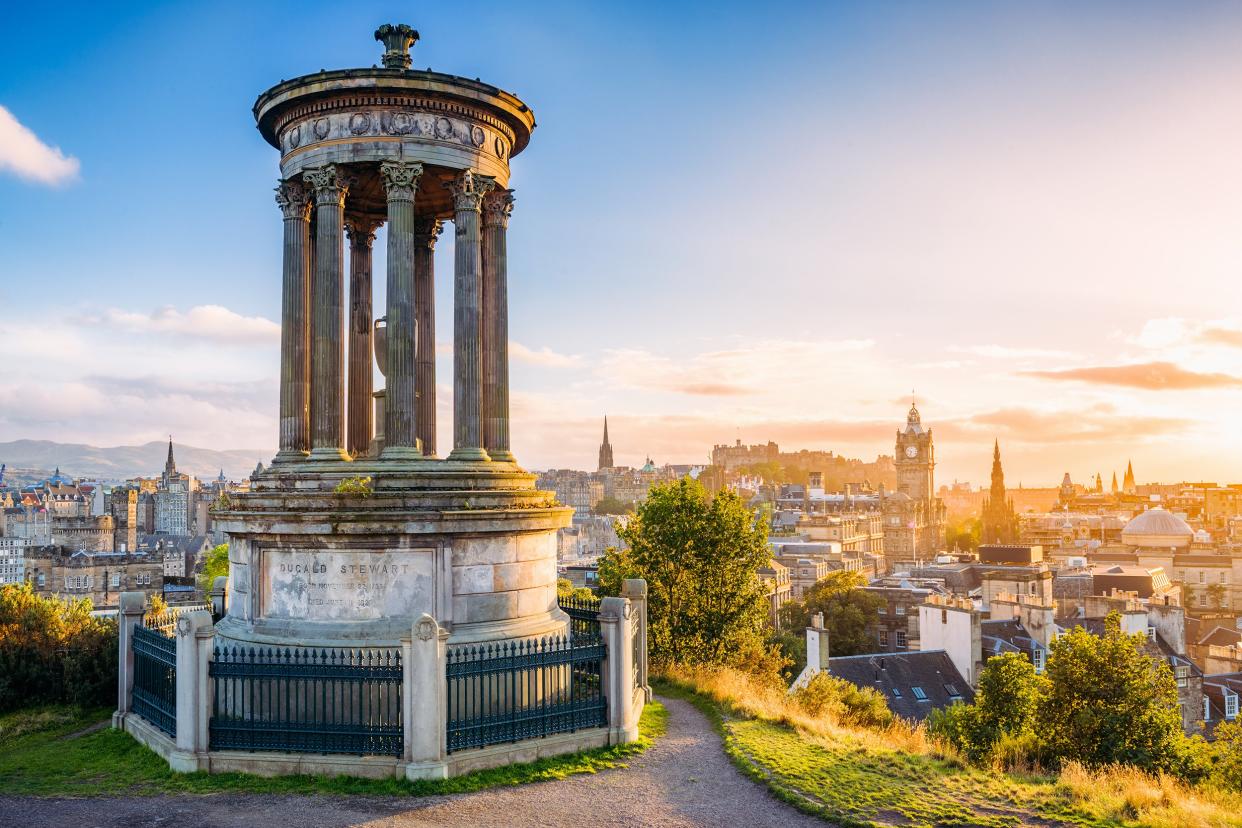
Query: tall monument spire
170,465
1000,522
605,449
1127,485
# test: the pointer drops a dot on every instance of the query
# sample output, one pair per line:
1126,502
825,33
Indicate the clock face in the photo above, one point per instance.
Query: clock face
912,452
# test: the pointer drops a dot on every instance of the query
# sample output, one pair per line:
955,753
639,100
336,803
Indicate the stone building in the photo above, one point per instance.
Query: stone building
12,560
99,576
174,499
914,516
123,503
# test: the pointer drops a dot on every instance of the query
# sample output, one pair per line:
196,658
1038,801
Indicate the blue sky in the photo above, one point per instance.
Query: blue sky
765,222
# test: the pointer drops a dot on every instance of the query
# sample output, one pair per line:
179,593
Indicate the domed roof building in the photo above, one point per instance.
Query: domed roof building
1157,528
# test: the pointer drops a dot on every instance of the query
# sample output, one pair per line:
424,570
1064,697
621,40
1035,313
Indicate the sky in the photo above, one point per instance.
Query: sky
734,221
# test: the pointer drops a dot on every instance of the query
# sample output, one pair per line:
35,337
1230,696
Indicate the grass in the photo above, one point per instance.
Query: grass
899,777
41,755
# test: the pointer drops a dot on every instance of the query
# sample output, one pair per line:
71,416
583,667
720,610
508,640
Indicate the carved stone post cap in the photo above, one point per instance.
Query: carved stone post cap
397,41
133,603
633,588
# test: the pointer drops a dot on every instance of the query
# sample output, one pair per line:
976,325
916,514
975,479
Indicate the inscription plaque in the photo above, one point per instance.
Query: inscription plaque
355,585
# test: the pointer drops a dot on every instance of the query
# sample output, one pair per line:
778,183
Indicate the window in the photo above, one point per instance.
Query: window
900,609
1183,675
1207,709
1202,599
1037,659
883,610
1202,577
116,580
951,689
901,638
1231,705
918,693
896,692
883,638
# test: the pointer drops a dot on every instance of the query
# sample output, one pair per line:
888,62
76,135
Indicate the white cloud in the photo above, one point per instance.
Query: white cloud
203,321
22,153
544,356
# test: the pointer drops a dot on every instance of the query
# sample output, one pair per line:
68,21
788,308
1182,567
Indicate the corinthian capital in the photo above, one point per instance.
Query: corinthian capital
293,199
329,187
468,190
361,230
400,179
497,206
426,231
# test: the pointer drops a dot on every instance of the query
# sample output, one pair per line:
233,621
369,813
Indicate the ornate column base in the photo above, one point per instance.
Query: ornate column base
401,453
289,456
474,454
501,456
328,455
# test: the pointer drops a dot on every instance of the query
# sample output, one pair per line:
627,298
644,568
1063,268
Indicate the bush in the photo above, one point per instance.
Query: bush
52,651
848,704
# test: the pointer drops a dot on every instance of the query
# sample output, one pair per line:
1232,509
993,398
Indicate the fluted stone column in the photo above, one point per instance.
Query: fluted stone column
497,207
400,416
426,230
359,401
295,324
468,190
328,315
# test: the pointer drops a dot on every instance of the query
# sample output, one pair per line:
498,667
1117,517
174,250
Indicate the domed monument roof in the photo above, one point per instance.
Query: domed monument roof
1157,527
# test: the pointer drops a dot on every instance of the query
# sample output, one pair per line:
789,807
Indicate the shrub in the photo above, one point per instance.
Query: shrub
53,651
848,704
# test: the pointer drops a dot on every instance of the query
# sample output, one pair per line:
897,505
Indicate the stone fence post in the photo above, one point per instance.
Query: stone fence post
616,627
195,637
636,590
220,596
424,699
129,615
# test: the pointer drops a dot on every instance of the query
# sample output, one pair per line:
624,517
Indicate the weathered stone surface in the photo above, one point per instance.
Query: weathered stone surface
354,585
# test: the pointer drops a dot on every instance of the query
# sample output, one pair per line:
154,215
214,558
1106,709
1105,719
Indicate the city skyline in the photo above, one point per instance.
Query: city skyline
964,209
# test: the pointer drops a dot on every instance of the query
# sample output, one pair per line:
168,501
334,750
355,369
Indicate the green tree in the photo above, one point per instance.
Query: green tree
565,589
612,506
214,565
963,534
1108,702
847,609
1227,755
844,702
1004,709
701,557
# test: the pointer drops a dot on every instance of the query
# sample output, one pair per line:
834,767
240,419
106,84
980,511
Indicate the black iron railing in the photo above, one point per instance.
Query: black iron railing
517,690
307,700
155,678
583,616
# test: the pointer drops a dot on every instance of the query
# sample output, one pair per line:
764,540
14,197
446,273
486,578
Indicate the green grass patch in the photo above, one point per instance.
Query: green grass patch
43,757
852,784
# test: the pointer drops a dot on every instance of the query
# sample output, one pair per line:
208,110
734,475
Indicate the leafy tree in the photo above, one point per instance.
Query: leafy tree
565,589
847,611
848,704
1227,755
1217,595
1108,702
963,534
214,565
701,557
613,506
54,651
1004,709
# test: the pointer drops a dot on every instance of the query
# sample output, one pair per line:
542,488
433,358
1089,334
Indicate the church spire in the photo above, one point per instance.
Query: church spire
605,449
1000,522
1127,485
170,465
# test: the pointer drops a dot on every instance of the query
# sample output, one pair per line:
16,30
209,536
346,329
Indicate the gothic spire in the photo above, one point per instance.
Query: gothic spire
605,449
170,465
1127,485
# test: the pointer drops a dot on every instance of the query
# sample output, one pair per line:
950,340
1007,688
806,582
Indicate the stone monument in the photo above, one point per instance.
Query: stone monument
359,527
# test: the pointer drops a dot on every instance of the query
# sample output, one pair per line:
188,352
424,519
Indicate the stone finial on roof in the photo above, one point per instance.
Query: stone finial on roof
397,41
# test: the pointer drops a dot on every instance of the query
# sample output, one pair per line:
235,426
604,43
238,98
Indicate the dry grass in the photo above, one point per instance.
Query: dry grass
1125,793
743,694
858,776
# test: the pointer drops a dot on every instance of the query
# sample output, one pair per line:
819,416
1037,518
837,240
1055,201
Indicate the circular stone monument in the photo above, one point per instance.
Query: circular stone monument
359,526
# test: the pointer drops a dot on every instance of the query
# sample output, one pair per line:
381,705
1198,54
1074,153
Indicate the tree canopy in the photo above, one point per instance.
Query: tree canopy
847,611
701,557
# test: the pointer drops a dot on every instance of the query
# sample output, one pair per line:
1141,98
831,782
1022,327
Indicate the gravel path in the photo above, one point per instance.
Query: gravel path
683,780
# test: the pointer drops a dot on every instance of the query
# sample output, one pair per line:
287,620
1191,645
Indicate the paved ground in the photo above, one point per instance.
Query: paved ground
683,780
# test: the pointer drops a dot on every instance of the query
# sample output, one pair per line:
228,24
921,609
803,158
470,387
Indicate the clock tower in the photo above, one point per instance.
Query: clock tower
915,459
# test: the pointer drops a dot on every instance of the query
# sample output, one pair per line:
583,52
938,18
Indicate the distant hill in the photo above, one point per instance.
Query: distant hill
121,462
